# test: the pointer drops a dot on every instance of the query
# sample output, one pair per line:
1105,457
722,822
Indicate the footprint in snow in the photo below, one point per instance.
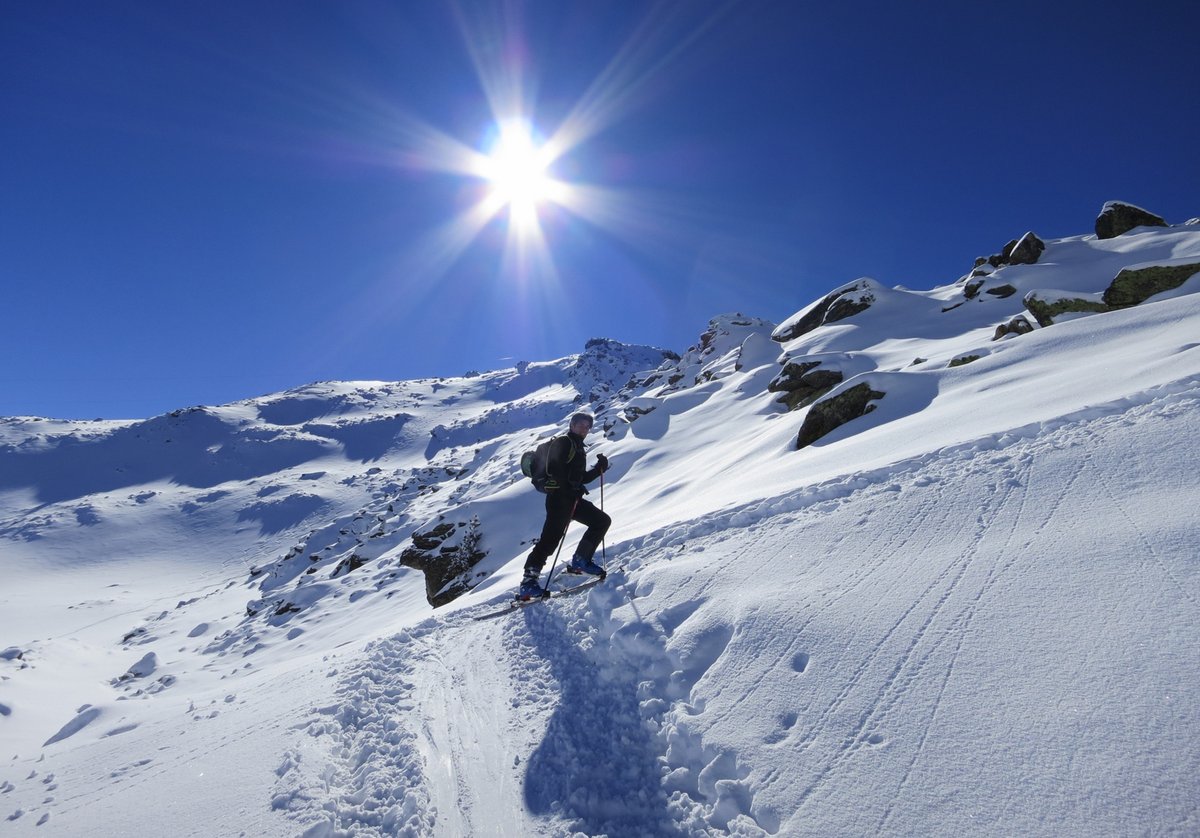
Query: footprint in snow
786,723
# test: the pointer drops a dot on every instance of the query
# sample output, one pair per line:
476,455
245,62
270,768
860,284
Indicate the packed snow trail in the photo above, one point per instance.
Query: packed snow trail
985,641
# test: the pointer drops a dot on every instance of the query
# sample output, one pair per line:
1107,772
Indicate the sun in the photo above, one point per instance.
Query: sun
514,166
517,171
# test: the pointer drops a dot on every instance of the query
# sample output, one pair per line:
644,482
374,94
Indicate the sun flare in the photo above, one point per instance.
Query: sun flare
514,164
517,170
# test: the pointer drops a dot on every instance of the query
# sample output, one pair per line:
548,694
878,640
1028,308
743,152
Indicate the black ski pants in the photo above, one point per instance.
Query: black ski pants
559,506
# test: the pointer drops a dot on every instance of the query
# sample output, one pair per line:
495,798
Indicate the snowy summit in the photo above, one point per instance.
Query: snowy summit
901,563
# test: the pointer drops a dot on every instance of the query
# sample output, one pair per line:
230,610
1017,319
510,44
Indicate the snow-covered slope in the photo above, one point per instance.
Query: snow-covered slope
971,610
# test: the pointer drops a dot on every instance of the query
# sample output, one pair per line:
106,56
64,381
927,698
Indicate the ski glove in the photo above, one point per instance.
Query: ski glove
602,463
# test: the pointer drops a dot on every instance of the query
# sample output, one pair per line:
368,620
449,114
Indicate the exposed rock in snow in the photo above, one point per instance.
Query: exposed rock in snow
1117,218
1137,284
835,411
1048,305
1019,325
1027,250
802,383
729,344
445,553
839,304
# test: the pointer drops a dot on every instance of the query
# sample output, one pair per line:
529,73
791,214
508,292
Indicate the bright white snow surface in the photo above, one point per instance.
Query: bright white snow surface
973,611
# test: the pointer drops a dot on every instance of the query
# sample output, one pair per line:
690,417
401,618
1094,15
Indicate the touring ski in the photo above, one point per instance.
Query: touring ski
518,604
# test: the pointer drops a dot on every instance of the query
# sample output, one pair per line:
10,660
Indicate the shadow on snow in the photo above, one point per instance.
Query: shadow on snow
597,765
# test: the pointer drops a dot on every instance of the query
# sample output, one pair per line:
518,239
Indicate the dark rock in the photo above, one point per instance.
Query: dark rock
632,414
838,305
790,376
1019,325
832,413
843,308
1002,291
445,554
963,360
1135,286
433,539
1023,251
1117,218
971,290
1044,311
802,383
347,565
1027,250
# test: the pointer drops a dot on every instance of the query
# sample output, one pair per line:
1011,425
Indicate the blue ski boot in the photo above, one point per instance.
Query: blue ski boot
583,564
531,588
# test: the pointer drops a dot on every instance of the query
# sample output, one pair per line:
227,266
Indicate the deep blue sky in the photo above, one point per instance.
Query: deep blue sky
206,202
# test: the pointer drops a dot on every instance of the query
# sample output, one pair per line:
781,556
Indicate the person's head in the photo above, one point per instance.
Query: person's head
581,423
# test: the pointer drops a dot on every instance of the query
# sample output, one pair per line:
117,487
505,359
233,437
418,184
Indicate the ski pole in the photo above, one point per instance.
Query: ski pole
603,554
561,541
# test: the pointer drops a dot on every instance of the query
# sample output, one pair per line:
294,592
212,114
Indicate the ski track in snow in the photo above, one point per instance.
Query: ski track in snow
593,717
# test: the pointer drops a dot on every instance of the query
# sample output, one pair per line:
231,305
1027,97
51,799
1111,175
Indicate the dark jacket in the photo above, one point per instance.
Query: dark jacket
566,465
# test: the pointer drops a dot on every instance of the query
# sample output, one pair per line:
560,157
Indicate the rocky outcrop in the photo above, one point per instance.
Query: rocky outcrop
1045,306
1019,325
972,288
803,382
726,346
1118,218
1023,251
1027,250
1133,286
445,553
825,416
846,301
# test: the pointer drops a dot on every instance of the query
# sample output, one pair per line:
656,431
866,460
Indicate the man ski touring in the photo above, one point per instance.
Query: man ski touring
566,474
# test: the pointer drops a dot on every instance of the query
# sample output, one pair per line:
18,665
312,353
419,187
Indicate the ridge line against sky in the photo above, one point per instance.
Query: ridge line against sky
201,205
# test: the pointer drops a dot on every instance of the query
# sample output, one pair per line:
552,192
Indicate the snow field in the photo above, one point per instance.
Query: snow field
971,611
923,650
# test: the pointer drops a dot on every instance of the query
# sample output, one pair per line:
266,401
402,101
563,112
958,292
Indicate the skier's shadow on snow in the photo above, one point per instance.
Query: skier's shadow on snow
597,764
